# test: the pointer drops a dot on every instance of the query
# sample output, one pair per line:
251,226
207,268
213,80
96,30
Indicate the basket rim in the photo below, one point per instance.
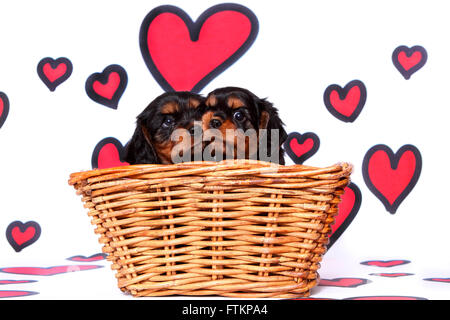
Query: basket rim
208,166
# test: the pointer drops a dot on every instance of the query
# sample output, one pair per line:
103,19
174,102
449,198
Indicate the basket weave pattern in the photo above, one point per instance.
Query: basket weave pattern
237,228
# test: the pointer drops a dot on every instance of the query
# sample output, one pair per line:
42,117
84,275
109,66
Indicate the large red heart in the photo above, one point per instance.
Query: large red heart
54,72
183,55
345,103
107,87
389,176
108,154
4,108
409,60
300,147
347,210
21,235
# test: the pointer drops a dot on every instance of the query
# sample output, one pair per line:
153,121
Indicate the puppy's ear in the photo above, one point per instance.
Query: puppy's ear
139,150
269,120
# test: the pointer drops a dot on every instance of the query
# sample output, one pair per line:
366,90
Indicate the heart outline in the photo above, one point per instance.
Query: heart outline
194,28
22,228
5,110
103,78
349,218
409,51
109,140
394,160
301,138
51,85
343,92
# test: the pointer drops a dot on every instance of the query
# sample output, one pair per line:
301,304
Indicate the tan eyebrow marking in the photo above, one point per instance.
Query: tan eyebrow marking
234,102
211,101
170,107
193,103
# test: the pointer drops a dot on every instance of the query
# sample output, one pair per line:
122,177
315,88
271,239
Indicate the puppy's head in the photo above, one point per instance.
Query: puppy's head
253,120
153,139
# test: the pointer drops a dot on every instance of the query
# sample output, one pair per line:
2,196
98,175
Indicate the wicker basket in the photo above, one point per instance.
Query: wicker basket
236,228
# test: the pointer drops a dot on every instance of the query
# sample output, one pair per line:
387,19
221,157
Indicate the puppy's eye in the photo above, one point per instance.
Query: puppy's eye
168,122
214,123
239,116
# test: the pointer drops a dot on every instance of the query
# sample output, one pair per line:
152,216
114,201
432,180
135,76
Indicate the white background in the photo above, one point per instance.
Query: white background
302,47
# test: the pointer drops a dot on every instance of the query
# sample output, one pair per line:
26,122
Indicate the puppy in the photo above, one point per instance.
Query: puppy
153,139
258,130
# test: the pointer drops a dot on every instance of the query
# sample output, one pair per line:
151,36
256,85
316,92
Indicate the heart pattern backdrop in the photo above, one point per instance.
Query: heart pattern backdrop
186,54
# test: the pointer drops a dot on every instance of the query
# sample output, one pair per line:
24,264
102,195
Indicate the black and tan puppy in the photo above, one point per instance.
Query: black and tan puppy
258,130
154,138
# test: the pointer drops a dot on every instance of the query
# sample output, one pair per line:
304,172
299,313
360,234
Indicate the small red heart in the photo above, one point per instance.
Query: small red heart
95,257
108,154
21,235
4,108
184,55
409,60
391,177
54,72
345,103
392,275
300,147
343,282
385,264
445,280
107,87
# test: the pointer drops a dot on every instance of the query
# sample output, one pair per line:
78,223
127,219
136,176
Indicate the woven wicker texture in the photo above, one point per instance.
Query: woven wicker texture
236,228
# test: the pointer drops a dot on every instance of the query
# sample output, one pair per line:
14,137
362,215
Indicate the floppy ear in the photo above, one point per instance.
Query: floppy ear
269,119
139,150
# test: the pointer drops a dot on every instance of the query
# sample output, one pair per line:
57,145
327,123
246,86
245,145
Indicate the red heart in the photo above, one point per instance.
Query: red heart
343,282
347,210
108,154
21,235
95,257
50,271
54,72
409,60
345,103
385,264
15,293
300,147
108,89
184,55
391,177
4,108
